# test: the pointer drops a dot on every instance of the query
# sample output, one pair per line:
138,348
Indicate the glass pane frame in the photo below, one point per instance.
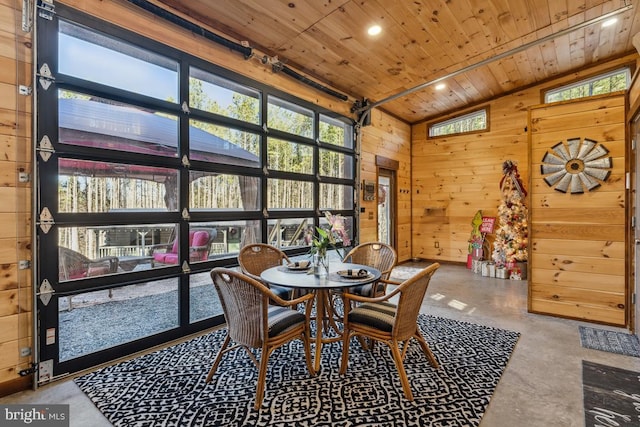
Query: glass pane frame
588,87
336,132
290,117
216,94
100,58
100,123
474,121
283,193
289,156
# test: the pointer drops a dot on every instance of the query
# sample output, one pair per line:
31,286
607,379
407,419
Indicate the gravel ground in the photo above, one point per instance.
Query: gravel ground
99,321
92,327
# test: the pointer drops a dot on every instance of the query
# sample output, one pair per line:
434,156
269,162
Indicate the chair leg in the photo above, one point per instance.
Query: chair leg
397,358
306,340
426,350
262,375
218,358
346,337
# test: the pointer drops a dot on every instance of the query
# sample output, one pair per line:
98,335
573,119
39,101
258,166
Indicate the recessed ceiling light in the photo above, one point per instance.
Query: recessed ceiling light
440,86
609,22
374,30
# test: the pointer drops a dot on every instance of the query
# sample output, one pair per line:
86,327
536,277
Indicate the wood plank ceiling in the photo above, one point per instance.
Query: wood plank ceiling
421,41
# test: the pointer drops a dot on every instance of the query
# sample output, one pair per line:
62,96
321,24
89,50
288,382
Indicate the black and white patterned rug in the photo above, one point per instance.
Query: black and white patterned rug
167,388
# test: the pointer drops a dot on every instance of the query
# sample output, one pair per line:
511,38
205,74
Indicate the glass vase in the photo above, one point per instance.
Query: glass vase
321,264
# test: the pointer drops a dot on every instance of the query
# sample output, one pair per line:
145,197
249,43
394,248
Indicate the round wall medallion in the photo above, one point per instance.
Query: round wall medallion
576,166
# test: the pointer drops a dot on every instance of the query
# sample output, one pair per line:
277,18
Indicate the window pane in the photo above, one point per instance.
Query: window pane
335,132
92,251
230,236
203,298
217,95
336,197
335,165
95,57
219,144
290,232
106,318
471,122
287,194
209,191
110,125
348,227
86,186
605,83
288,117
289,156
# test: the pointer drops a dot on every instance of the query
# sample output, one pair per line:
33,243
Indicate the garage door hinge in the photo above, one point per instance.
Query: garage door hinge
46,9
45,220
45,292
45,76
45,148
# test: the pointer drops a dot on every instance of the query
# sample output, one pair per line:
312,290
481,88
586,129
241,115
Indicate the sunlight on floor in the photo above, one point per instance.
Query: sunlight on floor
458,305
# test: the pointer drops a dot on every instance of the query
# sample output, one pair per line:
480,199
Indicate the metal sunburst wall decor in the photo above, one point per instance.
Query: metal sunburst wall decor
576,166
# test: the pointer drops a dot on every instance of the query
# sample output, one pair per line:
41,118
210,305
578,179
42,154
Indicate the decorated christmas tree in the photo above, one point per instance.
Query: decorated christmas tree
511,240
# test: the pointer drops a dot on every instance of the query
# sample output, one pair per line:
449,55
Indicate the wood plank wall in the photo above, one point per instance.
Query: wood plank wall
455,176
15,198
578,240
390,138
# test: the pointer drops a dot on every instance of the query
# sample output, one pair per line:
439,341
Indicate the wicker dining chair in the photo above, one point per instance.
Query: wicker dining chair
254,323
257,257
378,255
393,324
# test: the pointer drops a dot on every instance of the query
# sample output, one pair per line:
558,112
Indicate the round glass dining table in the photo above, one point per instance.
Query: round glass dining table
342,276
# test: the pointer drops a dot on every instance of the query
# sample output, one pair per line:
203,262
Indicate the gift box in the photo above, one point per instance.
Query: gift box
488,268
476,266
501,272
522,266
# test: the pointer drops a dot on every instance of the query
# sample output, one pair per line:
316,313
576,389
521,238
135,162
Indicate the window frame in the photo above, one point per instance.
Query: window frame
459,118
589,80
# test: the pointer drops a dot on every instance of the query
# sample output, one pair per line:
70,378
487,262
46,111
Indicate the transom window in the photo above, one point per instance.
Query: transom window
471,122
612,81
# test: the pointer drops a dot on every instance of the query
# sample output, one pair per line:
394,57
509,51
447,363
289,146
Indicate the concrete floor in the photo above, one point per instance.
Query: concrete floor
541,386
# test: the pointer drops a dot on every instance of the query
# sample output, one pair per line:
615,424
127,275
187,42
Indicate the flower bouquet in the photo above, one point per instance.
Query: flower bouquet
327,239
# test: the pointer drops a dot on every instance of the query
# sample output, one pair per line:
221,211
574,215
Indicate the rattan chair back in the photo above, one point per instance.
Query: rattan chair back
257,257
374,254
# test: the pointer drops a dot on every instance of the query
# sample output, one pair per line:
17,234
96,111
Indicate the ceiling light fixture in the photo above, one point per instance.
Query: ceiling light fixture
609,22
440,86
374,30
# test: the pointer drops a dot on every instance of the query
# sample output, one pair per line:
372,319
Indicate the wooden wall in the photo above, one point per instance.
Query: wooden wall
389,138
15,198
455,176
578,240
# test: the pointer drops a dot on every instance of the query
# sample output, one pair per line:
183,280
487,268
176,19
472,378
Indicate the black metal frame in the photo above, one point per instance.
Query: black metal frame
46,187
